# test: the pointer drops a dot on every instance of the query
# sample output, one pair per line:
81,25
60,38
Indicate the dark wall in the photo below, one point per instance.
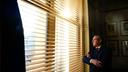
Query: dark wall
117,36
116,17
109,18
96,20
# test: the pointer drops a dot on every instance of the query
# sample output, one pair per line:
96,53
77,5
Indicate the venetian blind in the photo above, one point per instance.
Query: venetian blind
39,49
68,54
51,38
62,45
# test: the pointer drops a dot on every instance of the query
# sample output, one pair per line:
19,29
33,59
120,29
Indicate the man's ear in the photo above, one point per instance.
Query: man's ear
100,41
92,41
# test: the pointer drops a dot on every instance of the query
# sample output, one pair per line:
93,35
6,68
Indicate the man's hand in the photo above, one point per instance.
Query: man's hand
96,62
88,55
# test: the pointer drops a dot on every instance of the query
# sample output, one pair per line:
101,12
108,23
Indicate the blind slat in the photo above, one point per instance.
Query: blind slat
30,67
51,39
38,54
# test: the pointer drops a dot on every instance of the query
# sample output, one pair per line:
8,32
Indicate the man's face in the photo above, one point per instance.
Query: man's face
96,41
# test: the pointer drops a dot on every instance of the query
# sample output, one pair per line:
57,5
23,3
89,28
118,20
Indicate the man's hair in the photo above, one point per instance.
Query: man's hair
99,37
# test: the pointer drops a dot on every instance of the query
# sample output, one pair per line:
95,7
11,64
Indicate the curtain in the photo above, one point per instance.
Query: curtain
12,38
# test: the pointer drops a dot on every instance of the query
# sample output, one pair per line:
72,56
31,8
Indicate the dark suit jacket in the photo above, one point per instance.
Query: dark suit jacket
104,55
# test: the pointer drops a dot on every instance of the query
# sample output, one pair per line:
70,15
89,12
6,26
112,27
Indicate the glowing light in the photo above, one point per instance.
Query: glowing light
28,18
67,13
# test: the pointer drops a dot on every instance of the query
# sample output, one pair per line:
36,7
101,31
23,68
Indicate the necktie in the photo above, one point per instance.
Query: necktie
97,49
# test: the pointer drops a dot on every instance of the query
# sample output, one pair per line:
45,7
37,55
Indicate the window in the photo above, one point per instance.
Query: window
67,43
67,46
51,35
37,54
62,45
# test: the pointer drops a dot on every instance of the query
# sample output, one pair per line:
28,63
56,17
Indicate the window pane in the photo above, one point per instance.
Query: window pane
35,31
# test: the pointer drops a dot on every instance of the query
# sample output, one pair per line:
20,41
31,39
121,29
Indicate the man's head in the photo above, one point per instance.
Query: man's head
96,41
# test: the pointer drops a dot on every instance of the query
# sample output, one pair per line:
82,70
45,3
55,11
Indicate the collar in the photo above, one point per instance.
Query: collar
98,47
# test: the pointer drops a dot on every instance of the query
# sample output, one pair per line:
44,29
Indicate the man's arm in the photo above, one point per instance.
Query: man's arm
106,57
96,62
88,60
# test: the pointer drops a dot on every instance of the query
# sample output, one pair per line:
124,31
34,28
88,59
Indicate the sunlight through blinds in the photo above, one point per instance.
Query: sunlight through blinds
39,58
52,40
67,51
61,43
68,56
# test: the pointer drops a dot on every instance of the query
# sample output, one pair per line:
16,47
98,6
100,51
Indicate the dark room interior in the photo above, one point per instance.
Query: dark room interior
107,18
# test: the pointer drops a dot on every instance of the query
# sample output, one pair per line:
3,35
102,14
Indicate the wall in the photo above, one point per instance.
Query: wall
96,20
85,30
116,34
115,16
107,18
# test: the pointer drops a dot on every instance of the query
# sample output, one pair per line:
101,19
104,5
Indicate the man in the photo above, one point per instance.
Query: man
99,57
